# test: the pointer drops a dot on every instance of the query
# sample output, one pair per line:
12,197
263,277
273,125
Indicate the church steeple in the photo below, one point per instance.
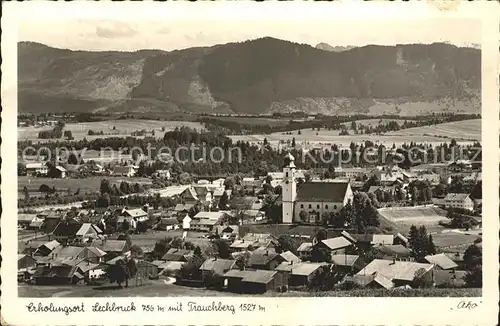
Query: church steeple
289,188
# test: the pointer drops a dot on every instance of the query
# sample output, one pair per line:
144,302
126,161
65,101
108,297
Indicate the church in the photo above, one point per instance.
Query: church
315,198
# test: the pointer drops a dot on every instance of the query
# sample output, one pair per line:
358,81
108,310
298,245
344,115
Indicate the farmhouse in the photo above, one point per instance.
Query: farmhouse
46,248
174,254
442,261
255,281
334,245
399,272
304,250
264,258
36,168
299,274
314,198
458,200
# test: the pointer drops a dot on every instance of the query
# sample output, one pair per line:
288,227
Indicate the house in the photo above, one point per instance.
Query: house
441,261
36,168
373,281
264,258
88,231
304,250
66,231
203,193
315,198
400,239
239,245
457,258
399,272
189,196
93,254
255,281
146,269
67,252
168,224
24,220
58,271
251,183
138,214
433,178
389,252
204,225
46,249
164,174
299,274
458,200
217,267
347,263
126,171
259,239
334,245
174,254
227,230
182,209
186,222
114,247
25,262
252,215
350,172
289,256
168,267
60,172
215,216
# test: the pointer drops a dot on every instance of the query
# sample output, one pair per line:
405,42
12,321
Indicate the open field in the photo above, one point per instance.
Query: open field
122,128
464,132
157,289
423,215
87,184
255,120
459,130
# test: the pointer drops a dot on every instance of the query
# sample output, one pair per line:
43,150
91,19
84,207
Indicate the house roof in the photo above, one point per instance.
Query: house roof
86,227
205,221
322,191
394,270
51,245
382,239
137,212
456,196
60,168
240,244
113,245
348,236
67,228
217,265
305,247
190,193
259,276
35,165
394,250
209,215
221,228
170,265
289,257
174,254
441,260
26,217
365,280
302,268
251,237
183,207
94,251
336,243
263,257
401,237
67,252
344,260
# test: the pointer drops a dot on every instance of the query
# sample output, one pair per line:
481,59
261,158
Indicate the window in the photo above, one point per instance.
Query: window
334,206
310,206
286,174
301,205
326,206
317,206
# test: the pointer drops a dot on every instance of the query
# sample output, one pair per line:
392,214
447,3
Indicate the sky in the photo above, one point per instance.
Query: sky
102,35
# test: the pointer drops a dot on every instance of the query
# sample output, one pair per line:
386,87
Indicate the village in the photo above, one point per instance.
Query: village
288,231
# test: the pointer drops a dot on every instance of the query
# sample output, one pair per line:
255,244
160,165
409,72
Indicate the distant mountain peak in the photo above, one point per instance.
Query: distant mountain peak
327,47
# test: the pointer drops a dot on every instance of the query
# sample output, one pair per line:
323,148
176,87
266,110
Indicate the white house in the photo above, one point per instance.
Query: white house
457,200
186,222
36,168
315,198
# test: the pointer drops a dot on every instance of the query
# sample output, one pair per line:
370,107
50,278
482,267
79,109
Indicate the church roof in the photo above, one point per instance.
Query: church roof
322,191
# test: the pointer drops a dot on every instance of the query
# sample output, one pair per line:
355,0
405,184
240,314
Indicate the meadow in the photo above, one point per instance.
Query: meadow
90,184
464,132
110,128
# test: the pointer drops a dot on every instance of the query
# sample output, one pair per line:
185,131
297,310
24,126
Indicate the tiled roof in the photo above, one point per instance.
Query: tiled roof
441,260
322,191
394,270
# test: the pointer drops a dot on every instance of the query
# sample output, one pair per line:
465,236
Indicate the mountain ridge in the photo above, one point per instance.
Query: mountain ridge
257,76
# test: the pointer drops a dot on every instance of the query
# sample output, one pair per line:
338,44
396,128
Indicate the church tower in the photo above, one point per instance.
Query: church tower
289,189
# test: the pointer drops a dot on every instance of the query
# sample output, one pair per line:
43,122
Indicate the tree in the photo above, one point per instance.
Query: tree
136,251
320,254
413,238
285,243
304,216
474,277
119,273
473,257
197,251
293,142
125,225
105,187
223,201
161,248
222,248
321,234
430,248
104,200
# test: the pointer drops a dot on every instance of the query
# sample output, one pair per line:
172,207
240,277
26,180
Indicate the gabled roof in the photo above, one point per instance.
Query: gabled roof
394,270
302,268
67,228
305,247
344,260
183,207
25,217
394,250
51,245
456,196
113,245
190,193
336,243
94,251
137,212
217,265
289,257
261,258
86,227
209,215
67,252
364,280
382,239
441,260
257,276
174,254
322,191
